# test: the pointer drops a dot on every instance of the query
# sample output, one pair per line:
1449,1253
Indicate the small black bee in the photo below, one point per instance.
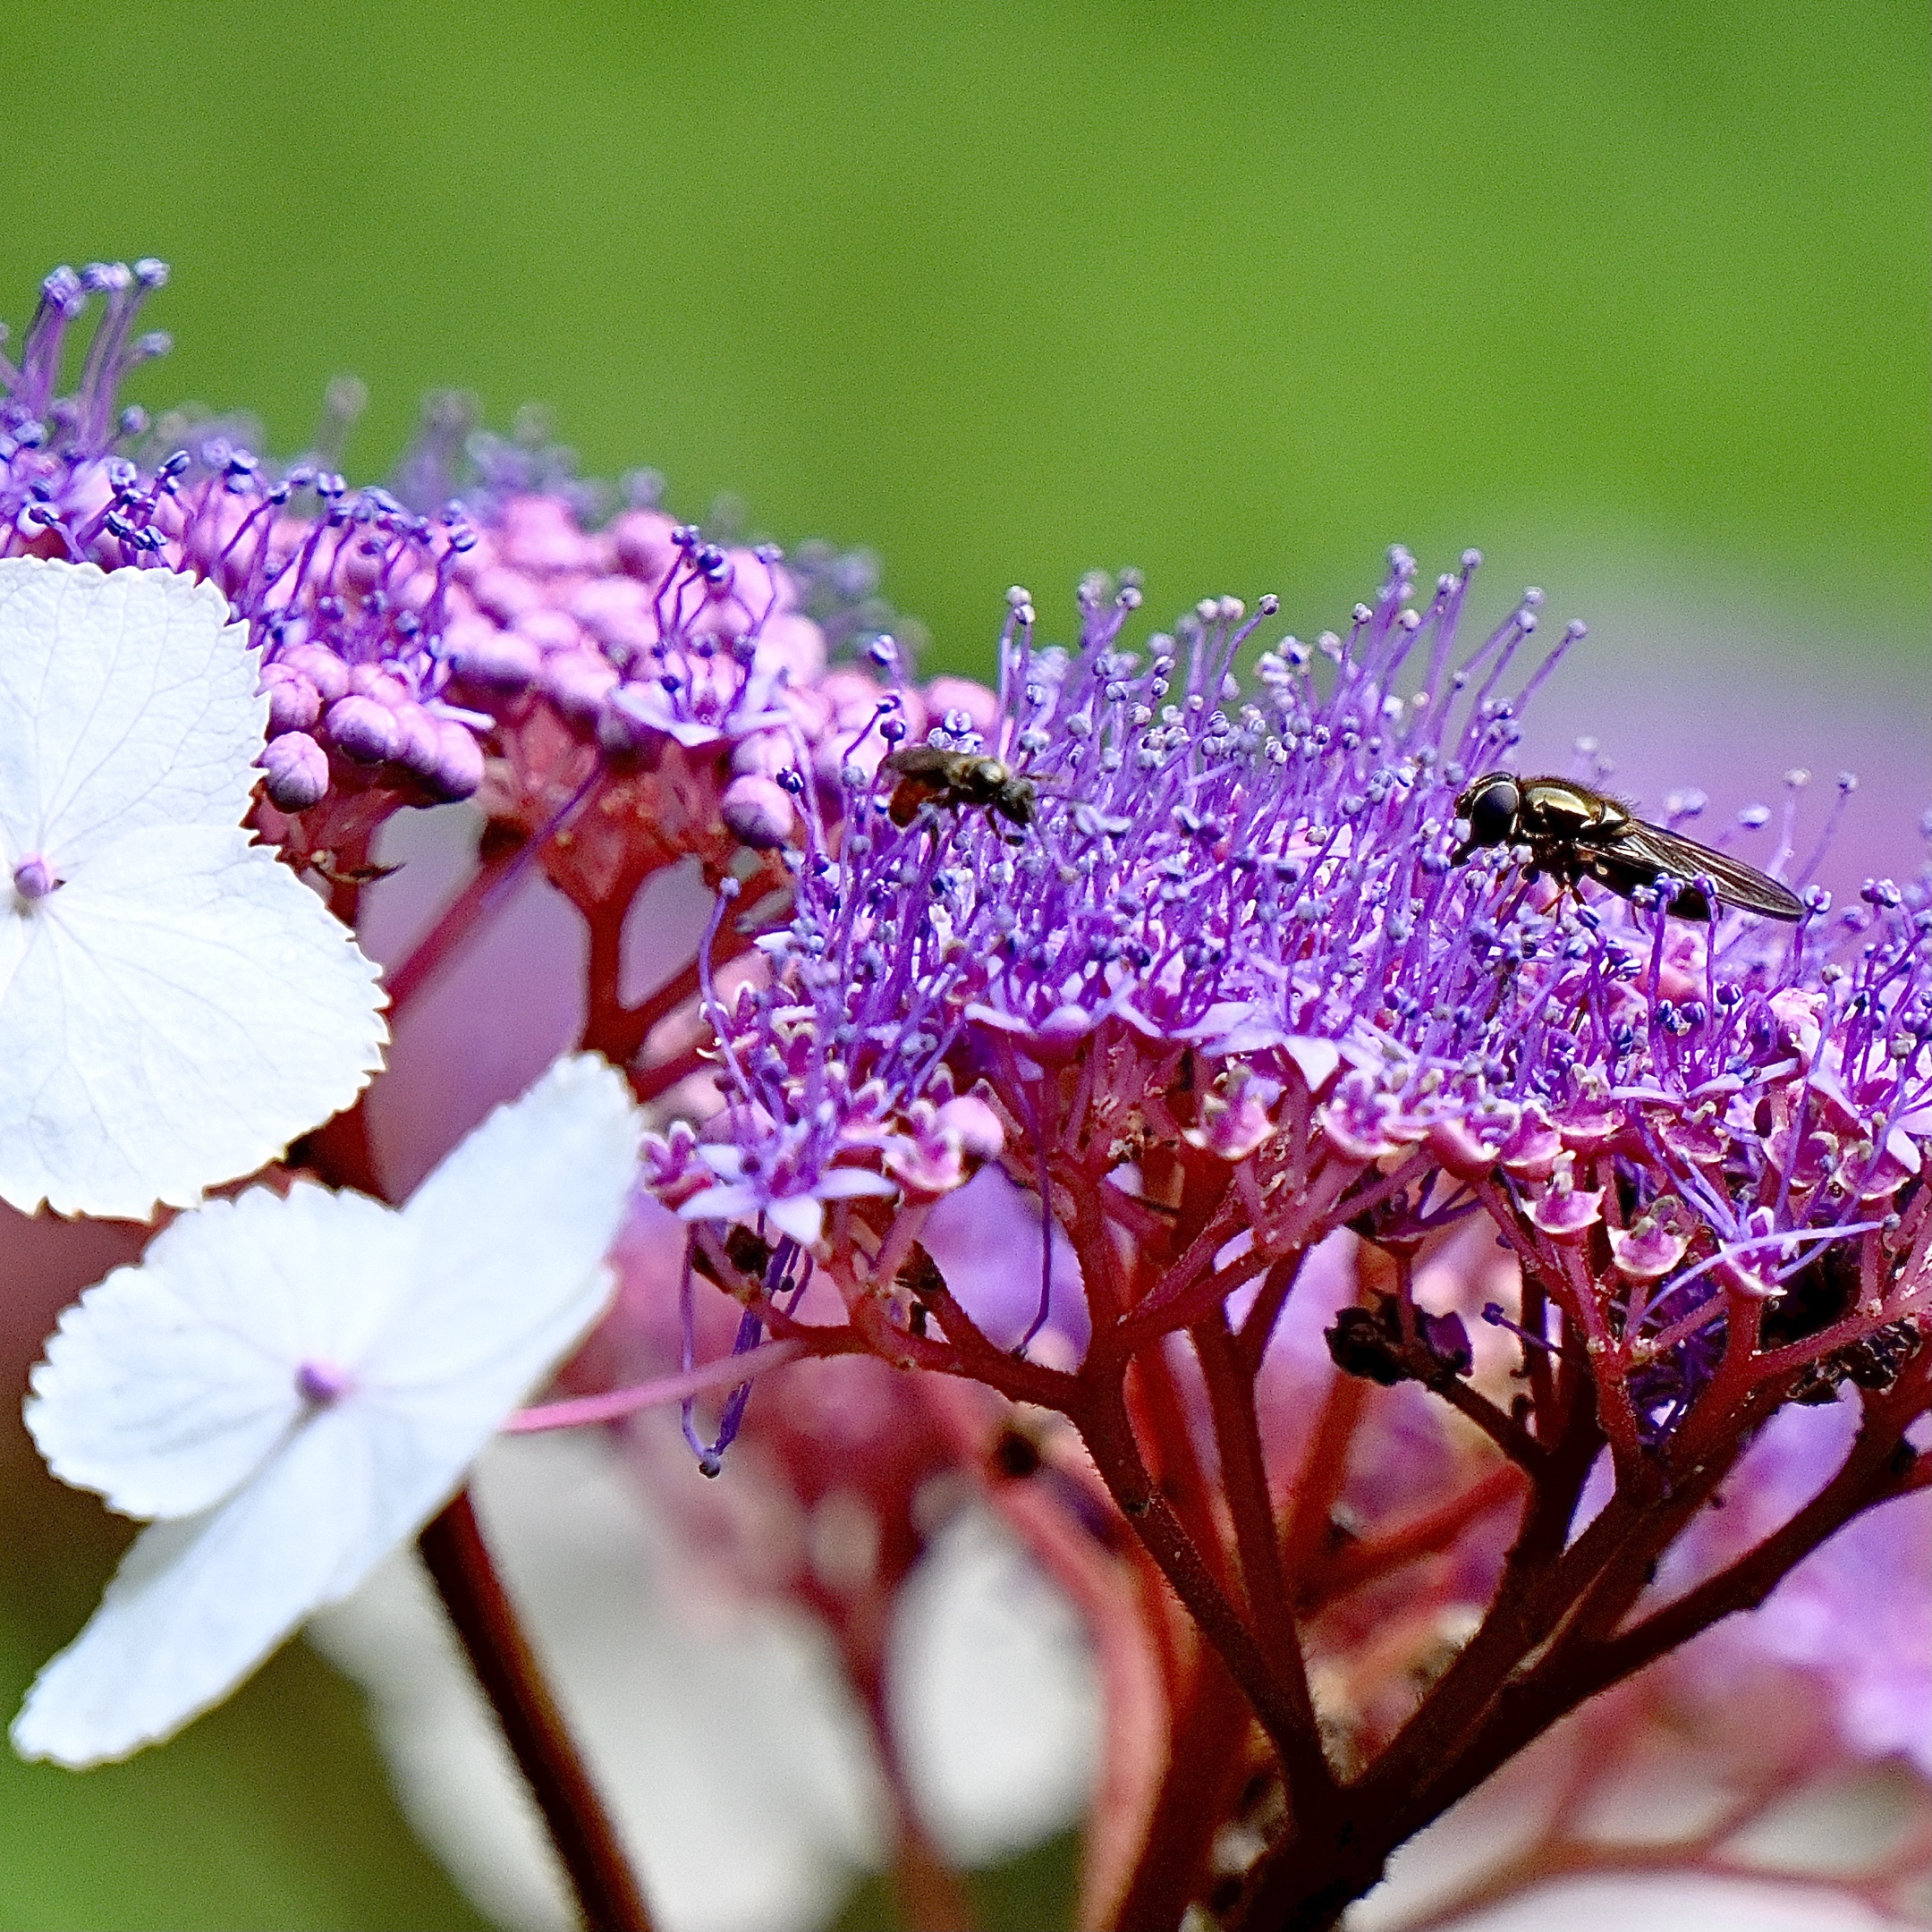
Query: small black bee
1574,833
958,778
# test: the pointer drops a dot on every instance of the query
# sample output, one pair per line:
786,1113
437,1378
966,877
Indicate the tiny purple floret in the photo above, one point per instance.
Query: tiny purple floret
33,877
322,1383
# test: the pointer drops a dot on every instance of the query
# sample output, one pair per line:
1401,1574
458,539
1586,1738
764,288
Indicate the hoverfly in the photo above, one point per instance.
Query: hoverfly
1573,833
926,774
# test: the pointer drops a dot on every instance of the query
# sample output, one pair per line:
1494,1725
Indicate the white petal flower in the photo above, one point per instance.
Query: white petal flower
297,1384
175,1006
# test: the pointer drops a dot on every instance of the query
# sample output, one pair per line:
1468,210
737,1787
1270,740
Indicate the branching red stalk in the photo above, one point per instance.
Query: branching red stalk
1105,1428
1309,1779
1205,1759
1548,1644
455,926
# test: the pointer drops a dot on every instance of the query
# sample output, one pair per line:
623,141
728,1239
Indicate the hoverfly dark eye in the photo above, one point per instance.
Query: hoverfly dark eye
1492,813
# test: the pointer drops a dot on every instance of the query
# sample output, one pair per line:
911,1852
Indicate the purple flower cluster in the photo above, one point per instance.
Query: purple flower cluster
400,646
1239,916
348,603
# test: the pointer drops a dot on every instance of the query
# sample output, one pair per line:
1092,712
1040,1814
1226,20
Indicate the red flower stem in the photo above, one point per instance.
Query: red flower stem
1585,1304
1162,1315
1537,1365
1105,1428
1867,1478
1498,1695
1168,1306
1570,1672
1425,1534
682,987
1540,1582
1165,1418
1514,1441
344,893
1309,1877
1352,1206
648,1083
1259,1329
1270,1601
603,1029
339,1152
1318,1484
453,926
1013,1377
1102,1581
608,1896
1204,1769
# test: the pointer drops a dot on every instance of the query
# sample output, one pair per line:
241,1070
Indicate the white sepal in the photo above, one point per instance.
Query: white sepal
174,1005
199,1601
170,1383
139,702
177,1012
313,1375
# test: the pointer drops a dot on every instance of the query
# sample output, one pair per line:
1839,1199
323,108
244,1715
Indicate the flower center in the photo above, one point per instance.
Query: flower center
321,1383
33,877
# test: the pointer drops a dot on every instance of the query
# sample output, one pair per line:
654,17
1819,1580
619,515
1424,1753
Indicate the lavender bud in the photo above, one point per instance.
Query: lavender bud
757,811
372,680
364,729
294,704
498,660
322,668
459,763
297,769
421,749
577,682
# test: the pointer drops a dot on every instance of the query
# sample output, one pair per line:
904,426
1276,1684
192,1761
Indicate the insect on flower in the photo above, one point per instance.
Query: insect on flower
1573,833
927,773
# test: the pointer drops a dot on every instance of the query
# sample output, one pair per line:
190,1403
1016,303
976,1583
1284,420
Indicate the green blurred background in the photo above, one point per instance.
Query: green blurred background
1633,295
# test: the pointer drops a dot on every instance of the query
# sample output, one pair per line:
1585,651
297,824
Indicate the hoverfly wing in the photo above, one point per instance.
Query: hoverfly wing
921,761
923,773
1644,847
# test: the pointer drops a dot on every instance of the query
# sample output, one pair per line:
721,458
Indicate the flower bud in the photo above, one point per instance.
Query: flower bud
644,546
297,770
364,729
419,748
505,594
294,704
549,629
322,668
458,769
371,680
497,660
792,641
757,811
540,534
577,683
